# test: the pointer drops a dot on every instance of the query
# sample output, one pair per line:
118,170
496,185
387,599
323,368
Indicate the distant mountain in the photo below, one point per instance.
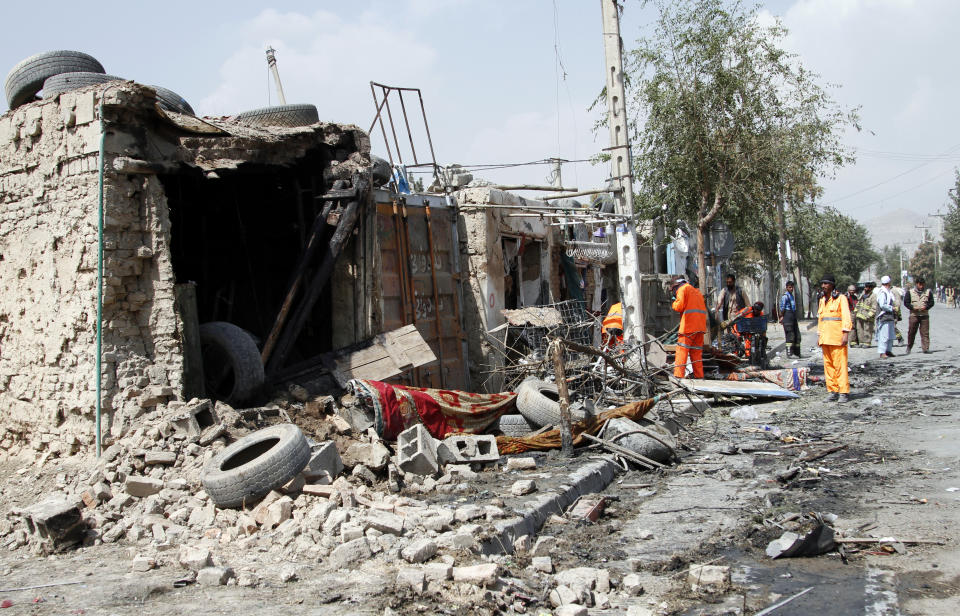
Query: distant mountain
899,227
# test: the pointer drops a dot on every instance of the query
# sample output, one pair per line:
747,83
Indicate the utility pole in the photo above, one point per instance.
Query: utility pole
621,166
272,63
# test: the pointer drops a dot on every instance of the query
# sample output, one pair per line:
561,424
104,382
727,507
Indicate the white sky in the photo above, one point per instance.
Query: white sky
492,85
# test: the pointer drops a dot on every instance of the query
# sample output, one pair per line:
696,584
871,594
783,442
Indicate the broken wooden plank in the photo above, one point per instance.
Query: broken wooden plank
388,355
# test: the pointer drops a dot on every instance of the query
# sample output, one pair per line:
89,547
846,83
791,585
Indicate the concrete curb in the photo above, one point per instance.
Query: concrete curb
592,477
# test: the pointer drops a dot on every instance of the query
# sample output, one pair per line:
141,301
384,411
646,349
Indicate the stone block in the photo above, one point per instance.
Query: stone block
278,512
142,564
372,455
325,457
165,458
544,546
337,517
202,517
350,554
437,520
417,451
524,486
479,575
438,572
468,448
542,563
711,578
631,584
349,532
571,609
385,522
214,576
142,486
563,595
521,464
419,551
194,558
460,472
57,522
412,578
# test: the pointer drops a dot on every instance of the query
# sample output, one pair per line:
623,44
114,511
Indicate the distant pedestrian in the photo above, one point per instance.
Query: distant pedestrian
864,314
886,318
788,317
852,299
731,300
919,301
834,327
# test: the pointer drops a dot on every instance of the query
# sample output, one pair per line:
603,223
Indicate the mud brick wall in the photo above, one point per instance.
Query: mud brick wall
48,275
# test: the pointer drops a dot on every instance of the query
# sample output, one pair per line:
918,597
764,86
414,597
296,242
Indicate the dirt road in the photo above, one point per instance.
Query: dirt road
891,469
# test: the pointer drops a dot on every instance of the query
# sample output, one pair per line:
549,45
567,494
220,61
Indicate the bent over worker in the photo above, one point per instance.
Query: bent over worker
613,326
693,325
834,329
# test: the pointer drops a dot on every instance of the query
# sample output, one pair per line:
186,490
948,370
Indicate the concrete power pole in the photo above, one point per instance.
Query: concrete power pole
621,166
272,63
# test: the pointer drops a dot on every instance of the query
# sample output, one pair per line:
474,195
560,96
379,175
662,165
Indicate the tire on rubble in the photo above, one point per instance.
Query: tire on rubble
26,78
171,101
281,115
259,462
64,82
539,402
515,425
232,370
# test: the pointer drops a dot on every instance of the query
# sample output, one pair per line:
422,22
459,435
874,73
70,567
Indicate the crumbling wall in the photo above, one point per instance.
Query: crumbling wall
48,272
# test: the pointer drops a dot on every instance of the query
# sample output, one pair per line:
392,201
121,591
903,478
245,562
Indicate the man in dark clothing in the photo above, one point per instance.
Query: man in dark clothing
919,301
788,317
731,300
852,298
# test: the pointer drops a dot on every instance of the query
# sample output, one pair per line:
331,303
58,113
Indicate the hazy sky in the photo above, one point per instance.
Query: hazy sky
509,81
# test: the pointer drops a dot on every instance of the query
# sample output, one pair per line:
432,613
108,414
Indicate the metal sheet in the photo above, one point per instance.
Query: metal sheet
739,388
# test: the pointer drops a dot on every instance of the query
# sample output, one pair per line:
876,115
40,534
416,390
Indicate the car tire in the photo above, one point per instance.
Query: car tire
250,468
539,402
515,425
171,101
64,82
26,78
281,115
232,369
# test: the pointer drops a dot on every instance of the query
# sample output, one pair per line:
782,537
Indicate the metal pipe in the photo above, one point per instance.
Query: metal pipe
406,121
272,63
582,193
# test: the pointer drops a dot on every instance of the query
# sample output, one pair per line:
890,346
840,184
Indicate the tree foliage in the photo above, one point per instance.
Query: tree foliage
829,242
924,261
888,263
732,122
949,272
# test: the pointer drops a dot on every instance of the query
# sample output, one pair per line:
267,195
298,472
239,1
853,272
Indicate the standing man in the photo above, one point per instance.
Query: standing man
834,328
731,300
852,299
919,301
864,314
886,318
688,301
788,317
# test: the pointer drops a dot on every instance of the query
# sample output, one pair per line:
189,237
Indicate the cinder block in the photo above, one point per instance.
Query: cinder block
469,448
417,451
194,416
57,522
324,458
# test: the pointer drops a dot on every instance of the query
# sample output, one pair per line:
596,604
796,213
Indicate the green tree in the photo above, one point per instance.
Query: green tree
889,262
730,118
924,261
949,271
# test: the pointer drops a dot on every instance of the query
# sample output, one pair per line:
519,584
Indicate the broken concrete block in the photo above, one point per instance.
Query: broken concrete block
337,517
571,609
469,512
479,575
524,486
364,474
142,486
142,564
350,553
211,433
563,595
413,578
194,558
544,546
57,522
437,520
460,472
278,512
372,455
631,584
521,464
324,457
202,517
96,494
385,522
214,576
165,458
349,532
295,485
417,451
542,563
438,572
259,512
522,544
468,448
419,551
357,418
711,578
246,524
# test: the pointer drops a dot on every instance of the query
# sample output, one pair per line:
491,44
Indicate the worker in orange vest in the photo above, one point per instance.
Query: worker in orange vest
613,326
834,328
688,301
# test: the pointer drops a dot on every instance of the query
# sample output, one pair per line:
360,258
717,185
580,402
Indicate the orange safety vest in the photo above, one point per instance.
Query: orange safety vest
614,318
692,309
833,319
